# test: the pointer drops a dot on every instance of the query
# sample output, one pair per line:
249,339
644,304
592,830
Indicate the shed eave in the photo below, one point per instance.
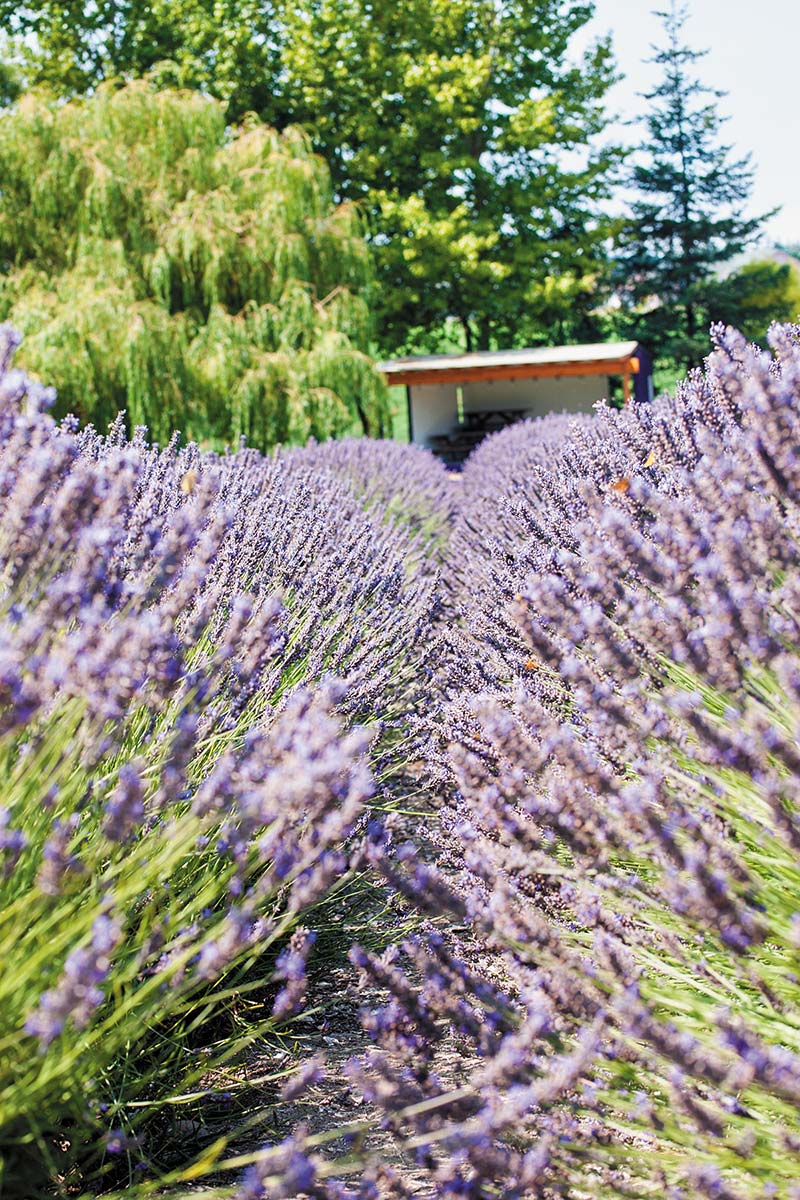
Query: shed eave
422,375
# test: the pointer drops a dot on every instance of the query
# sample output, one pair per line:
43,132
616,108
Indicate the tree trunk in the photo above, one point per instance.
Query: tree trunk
365,425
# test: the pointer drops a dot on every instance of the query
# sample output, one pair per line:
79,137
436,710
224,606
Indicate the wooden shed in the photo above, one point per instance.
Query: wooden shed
454,400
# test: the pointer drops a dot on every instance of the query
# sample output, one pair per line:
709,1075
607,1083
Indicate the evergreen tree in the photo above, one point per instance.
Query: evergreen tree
688,211
198,277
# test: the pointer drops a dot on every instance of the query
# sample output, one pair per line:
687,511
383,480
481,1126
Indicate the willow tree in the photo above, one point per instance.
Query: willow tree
198,278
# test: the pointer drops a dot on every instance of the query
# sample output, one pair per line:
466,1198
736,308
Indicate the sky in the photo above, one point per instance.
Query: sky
753,55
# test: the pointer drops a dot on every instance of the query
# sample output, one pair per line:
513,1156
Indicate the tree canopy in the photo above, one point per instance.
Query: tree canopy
750,298
467,132
224,48
688,212
464,128
195,276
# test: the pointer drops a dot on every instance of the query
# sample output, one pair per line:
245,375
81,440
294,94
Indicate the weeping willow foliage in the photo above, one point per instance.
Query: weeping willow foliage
198,277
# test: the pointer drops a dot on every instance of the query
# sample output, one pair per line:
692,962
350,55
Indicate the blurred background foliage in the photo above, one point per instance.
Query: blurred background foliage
194,274
477,146
466,131
681,260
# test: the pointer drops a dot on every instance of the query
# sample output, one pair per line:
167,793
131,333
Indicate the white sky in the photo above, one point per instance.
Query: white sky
754,55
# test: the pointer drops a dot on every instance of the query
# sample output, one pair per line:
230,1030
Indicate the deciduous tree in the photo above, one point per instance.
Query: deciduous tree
752,297
226,48
197,276
469,134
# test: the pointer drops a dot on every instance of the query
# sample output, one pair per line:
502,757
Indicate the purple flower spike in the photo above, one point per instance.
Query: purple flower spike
78,992
291,967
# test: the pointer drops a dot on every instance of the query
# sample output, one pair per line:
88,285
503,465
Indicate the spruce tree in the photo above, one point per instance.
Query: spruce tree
688,211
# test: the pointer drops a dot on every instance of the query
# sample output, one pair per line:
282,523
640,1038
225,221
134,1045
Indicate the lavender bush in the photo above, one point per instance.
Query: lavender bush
618,841
224,677
402,483
606,999
206,662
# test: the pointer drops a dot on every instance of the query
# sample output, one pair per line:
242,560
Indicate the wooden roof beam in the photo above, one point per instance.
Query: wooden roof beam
421,378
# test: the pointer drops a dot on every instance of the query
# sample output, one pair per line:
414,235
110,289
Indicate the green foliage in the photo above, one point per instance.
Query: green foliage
452,123
475,218
222,47
195,276
688,214
462,127
10,75
752,297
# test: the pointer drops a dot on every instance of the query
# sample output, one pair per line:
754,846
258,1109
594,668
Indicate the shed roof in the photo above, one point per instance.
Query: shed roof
596,358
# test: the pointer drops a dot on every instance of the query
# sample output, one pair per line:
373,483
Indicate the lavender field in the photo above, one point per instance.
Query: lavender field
510,760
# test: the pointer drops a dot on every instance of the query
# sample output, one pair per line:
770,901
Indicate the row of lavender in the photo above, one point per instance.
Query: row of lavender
578,664
208,667
606,998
